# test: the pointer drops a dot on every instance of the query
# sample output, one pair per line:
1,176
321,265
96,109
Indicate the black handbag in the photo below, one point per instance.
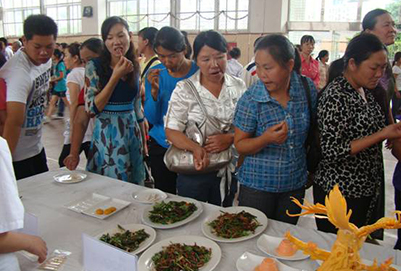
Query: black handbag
312,143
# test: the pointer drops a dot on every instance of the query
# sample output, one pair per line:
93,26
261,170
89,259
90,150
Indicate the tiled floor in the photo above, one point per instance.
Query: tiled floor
53,140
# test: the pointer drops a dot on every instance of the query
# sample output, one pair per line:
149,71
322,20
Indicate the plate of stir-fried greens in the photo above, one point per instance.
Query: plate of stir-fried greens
181,253
132,238
171,213
234,224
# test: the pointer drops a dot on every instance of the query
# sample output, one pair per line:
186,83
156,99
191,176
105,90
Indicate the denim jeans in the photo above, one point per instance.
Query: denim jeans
273,205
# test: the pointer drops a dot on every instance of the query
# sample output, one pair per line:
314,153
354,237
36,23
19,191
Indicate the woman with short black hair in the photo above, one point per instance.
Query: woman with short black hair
352,128
219,93
272,121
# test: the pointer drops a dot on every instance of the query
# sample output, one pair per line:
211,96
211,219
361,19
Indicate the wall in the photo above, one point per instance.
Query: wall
272,13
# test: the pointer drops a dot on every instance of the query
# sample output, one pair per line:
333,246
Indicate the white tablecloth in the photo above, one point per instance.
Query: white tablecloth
62,228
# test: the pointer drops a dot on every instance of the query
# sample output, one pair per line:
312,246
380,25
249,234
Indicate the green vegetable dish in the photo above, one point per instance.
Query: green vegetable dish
171,212
125,240
181,257
230,226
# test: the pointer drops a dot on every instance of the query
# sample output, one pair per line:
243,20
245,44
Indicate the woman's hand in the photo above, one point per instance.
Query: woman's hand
218,143
201,158
153,78
277,134
392,131
123,67
71,161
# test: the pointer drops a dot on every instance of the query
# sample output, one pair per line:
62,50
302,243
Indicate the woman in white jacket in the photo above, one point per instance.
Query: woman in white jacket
219,92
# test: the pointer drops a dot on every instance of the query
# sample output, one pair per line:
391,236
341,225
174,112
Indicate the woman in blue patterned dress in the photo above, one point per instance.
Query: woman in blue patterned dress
112,97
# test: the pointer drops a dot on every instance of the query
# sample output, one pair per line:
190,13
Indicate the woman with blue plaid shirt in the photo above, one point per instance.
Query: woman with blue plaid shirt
271,125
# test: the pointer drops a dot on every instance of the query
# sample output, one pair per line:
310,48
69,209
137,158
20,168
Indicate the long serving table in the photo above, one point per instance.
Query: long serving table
62,228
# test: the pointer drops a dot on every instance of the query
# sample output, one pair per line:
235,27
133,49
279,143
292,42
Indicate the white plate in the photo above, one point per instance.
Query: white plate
149,195
146,213
249,261
261,217
268,245
89,204
134,227
145,262
70,177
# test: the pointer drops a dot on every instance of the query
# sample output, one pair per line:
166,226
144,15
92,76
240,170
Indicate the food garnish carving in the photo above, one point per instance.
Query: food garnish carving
344,254
286,248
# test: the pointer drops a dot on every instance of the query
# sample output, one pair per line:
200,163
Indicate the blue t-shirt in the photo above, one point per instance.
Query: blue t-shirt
156,110
61,85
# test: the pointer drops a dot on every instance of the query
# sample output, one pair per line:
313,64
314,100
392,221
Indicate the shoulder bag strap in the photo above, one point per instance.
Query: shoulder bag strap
309,99
197,97
148,66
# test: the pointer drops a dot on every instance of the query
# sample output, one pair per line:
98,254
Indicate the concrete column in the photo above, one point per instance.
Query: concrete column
268,16
91,26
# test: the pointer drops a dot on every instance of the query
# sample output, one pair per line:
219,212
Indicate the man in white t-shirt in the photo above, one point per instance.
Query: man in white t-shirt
12,218
27,77
248,73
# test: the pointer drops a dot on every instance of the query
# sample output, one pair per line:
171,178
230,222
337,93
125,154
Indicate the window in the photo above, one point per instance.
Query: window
141,13
341,10
225,15
192,15
190,19
235,16
333,10
14,14
67,14
305,10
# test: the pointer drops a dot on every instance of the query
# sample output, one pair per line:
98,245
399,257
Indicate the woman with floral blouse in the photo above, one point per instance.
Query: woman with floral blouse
352,128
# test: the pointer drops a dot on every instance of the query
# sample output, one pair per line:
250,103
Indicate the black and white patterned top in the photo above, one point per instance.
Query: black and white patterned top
344,116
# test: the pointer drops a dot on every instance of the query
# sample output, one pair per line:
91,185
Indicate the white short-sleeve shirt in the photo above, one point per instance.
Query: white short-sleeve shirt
27,84
12,210
77,76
